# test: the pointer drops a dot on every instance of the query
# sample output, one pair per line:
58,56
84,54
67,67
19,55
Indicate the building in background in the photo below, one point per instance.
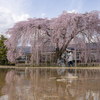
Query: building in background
47,55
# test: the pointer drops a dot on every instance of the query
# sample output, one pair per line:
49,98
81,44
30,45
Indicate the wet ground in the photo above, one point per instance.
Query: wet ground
49,84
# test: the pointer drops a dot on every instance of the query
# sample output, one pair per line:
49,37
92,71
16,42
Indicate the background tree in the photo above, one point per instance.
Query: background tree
3,51
59,31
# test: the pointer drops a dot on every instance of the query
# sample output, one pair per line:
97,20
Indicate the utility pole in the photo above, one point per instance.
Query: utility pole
75,53
75,57
37,47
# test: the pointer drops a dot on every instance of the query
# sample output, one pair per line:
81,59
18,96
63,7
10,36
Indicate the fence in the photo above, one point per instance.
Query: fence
87,64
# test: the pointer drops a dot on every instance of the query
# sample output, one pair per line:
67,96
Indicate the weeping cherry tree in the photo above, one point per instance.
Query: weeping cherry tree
60,31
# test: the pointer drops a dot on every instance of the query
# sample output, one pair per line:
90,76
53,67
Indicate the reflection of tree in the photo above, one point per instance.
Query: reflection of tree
60,86
2,79
88,82
37,85
9,88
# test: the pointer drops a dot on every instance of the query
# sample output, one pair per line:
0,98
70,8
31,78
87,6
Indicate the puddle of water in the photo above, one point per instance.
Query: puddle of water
49,84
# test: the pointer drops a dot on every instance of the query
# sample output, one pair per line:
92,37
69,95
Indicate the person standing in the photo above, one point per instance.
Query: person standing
70,58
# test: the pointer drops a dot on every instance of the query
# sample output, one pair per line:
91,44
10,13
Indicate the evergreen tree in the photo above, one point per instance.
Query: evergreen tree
3,51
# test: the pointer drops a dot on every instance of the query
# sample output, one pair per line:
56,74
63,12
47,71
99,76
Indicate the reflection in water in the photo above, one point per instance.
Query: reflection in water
42,84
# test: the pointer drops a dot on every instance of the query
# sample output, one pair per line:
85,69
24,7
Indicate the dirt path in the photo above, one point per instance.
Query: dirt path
52,67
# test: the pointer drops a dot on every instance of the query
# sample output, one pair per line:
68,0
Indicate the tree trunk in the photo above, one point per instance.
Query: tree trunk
58,54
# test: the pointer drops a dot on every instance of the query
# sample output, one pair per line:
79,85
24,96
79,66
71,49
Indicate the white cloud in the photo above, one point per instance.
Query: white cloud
7,18
20,17
43,15
4,10
73,11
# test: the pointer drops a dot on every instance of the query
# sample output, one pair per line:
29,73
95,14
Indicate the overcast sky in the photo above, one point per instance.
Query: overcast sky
12,11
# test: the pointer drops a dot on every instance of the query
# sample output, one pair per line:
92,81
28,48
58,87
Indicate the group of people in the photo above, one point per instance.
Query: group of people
67,56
